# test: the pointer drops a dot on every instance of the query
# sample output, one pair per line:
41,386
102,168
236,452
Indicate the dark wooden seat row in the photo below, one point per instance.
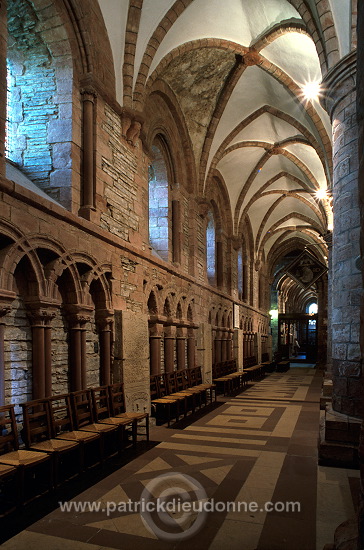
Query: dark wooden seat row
226,377
179,392
283,366
63,435
255,372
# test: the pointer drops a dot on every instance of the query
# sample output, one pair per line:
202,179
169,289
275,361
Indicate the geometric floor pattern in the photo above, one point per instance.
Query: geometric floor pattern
256,448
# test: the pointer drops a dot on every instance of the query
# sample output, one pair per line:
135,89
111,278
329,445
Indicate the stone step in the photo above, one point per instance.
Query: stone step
340,428
336,453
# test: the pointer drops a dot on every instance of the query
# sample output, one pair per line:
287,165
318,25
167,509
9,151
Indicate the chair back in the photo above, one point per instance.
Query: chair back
60,413
101,402
82,408
9,439
170,383
116,398
37,421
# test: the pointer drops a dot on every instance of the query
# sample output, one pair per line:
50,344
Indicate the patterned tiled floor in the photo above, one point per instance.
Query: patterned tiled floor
258,447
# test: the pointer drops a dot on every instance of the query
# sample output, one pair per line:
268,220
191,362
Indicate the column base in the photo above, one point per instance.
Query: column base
339,439
346,536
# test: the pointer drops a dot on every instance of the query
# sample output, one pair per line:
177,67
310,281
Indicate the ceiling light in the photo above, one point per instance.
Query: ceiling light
321,194
311,91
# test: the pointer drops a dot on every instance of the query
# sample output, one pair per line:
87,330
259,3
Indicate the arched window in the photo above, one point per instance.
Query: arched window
312,308
39,100
211,248
159,202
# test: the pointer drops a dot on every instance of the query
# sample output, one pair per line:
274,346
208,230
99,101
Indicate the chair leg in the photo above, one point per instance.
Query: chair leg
134,432
147,427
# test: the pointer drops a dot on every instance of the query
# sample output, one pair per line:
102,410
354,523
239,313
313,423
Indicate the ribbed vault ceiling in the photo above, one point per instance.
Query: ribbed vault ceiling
237,69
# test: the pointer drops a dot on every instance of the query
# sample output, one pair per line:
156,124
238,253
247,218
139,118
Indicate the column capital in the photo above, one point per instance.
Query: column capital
88,93
6,299
78,316
182,332
170,331
41,313
156,330
338,83
104,318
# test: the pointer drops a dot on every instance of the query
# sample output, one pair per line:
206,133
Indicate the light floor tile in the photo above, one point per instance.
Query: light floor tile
230,440
286,424
27,540
235,431
209,450
236,535
217,475
226,420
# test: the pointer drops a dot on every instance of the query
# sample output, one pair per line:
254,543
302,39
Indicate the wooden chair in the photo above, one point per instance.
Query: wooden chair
188,400
63,428
183,383
9,489
84,418
103,415
34,469
37,436
187,383
195,375
118,409
163,404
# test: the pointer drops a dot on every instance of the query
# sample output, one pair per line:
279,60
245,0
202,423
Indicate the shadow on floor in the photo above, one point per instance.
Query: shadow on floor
16,522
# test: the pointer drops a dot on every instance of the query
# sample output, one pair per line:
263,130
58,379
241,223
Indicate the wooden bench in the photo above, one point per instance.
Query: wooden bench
255,373
283,366
180,391
225,375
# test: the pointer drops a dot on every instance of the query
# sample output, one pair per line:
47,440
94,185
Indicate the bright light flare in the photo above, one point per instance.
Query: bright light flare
311,91
321,194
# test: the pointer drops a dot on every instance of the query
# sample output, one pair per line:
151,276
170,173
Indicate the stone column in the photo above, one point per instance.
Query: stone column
238,348
224,344
169,347
218,340
257,342
213,345
155,336
219,265
339,101
191,346
40,320
3,83
6,298
176,231
181,347
360,113
77,351
88,165
230,354
104,321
